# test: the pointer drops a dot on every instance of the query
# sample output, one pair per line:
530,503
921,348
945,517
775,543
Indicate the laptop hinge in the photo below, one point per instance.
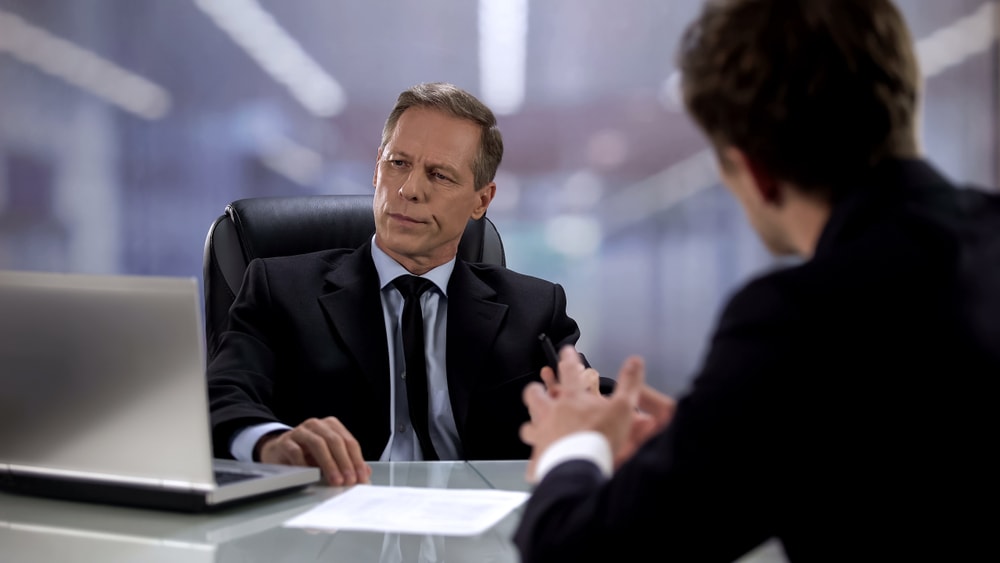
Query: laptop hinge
169,484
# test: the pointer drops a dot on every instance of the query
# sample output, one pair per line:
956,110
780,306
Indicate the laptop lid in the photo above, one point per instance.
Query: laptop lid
103,382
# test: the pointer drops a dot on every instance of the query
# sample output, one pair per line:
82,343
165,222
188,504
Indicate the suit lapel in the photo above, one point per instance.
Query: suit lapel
474,319
353,306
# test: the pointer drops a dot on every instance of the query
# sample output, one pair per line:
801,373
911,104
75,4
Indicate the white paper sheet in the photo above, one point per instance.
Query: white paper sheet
411,510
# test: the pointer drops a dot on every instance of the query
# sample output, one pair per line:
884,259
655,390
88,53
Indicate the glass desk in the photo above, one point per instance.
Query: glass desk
42,530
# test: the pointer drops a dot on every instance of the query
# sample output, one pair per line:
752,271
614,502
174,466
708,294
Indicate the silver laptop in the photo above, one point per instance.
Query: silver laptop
103,395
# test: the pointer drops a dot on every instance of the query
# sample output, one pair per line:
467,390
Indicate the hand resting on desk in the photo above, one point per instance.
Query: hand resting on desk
324,443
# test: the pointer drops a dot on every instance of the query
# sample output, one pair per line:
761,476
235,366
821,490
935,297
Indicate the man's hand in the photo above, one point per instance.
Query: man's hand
627,418
323,443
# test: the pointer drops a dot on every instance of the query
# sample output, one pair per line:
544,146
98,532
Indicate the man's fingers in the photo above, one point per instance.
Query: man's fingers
593,380
549,379
643,426
573,376
631,378
283,450
659,406
536,399
347,452
569,362
316,438
527,433
569,356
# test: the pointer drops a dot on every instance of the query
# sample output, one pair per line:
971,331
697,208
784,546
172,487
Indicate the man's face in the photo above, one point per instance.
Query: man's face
765,219
424,188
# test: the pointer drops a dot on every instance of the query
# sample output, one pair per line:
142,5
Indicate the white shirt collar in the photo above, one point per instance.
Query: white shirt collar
388,269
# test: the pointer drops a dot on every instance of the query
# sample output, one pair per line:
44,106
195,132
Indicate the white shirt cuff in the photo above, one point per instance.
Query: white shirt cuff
245,441
589,446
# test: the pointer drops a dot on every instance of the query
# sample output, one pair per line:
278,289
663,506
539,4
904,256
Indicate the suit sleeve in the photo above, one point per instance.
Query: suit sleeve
562,329
699,489
241,375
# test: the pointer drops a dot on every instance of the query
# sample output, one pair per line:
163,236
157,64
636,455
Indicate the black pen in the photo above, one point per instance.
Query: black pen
550,353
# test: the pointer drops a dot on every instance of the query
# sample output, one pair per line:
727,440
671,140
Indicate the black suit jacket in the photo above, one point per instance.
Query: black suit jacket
306,338
845,406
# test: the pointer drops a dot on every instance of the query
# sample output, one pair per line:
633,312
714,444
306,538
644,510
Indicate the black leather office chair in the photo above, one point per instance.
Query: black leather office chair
261,227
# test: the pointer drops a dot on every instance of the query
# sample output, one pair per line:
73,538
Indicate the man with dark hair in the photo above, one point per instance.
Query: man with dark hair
845,406
312,369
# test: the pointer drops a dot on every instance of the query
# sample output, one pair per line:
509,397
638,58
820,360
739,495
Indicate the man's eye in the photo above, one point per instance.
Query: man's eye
440,176
397,163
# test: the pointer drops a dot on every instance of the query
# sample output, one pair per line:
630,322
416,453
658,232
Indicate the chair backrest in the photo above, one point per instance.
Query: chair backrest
262,227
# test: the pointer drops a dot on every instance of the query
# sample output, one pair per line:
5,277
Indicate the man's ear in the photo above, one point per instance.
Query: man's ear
485,196
378,158
764,181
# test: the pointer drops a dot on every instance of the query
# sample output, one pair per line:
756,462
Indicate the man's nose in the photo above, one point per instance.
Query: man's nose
413,187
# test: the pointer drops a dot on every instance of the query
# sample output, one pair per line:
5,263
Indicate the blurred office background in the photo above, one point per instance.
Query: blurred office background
126,126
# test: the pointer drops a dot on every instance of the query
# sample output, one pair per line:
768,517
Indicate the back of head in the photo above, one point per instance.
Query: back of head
813,91
456,102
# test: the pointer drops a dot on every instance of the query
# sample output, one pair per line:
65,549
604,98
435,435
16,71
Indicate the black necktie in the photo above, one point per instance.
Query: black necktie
412,287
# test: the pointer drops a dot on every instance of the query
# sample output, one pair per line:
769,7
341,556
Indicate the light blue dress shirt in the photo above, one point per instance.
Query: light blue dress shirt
403,444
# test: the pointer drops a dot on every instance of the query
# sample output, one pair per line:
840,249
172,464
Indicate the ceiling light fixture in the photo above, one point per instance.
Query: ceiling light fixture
278,53
82,68
503,48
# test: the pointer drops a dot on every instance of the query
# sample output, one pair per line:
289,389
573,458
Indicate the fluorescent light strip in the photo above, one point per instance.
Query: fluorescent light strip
947,47
953,44
267,43
82,68
503,48
661,191
299,164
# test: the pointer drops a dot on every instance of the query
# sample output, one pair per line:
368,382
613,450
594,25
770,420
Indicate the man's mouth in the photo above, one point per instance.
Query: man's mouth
405,218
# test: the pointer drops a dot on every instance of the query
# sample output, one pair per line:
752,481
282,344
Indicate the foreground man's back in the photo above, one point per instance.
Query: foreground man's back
846,405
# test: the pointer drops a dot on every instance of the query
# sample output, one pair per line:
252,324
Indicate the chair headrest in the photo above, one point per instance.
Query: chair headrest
281,226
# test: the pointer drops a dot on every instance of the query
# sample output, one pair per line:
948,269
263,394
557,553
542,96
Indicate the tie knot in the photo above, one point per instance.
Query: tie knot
412,286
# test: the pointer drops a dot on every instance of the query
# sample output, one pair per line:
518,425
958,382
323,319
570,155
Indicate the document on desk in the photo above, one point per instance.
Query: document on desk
411,510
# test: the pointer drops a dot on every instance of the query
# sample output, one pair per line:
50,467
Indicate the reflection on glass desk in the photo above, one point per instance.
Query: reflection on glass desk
38,529
503,475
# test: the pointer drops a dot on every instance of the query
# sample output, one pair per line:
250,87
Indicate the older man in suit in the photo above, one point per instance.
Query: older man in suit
326,363
846,407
